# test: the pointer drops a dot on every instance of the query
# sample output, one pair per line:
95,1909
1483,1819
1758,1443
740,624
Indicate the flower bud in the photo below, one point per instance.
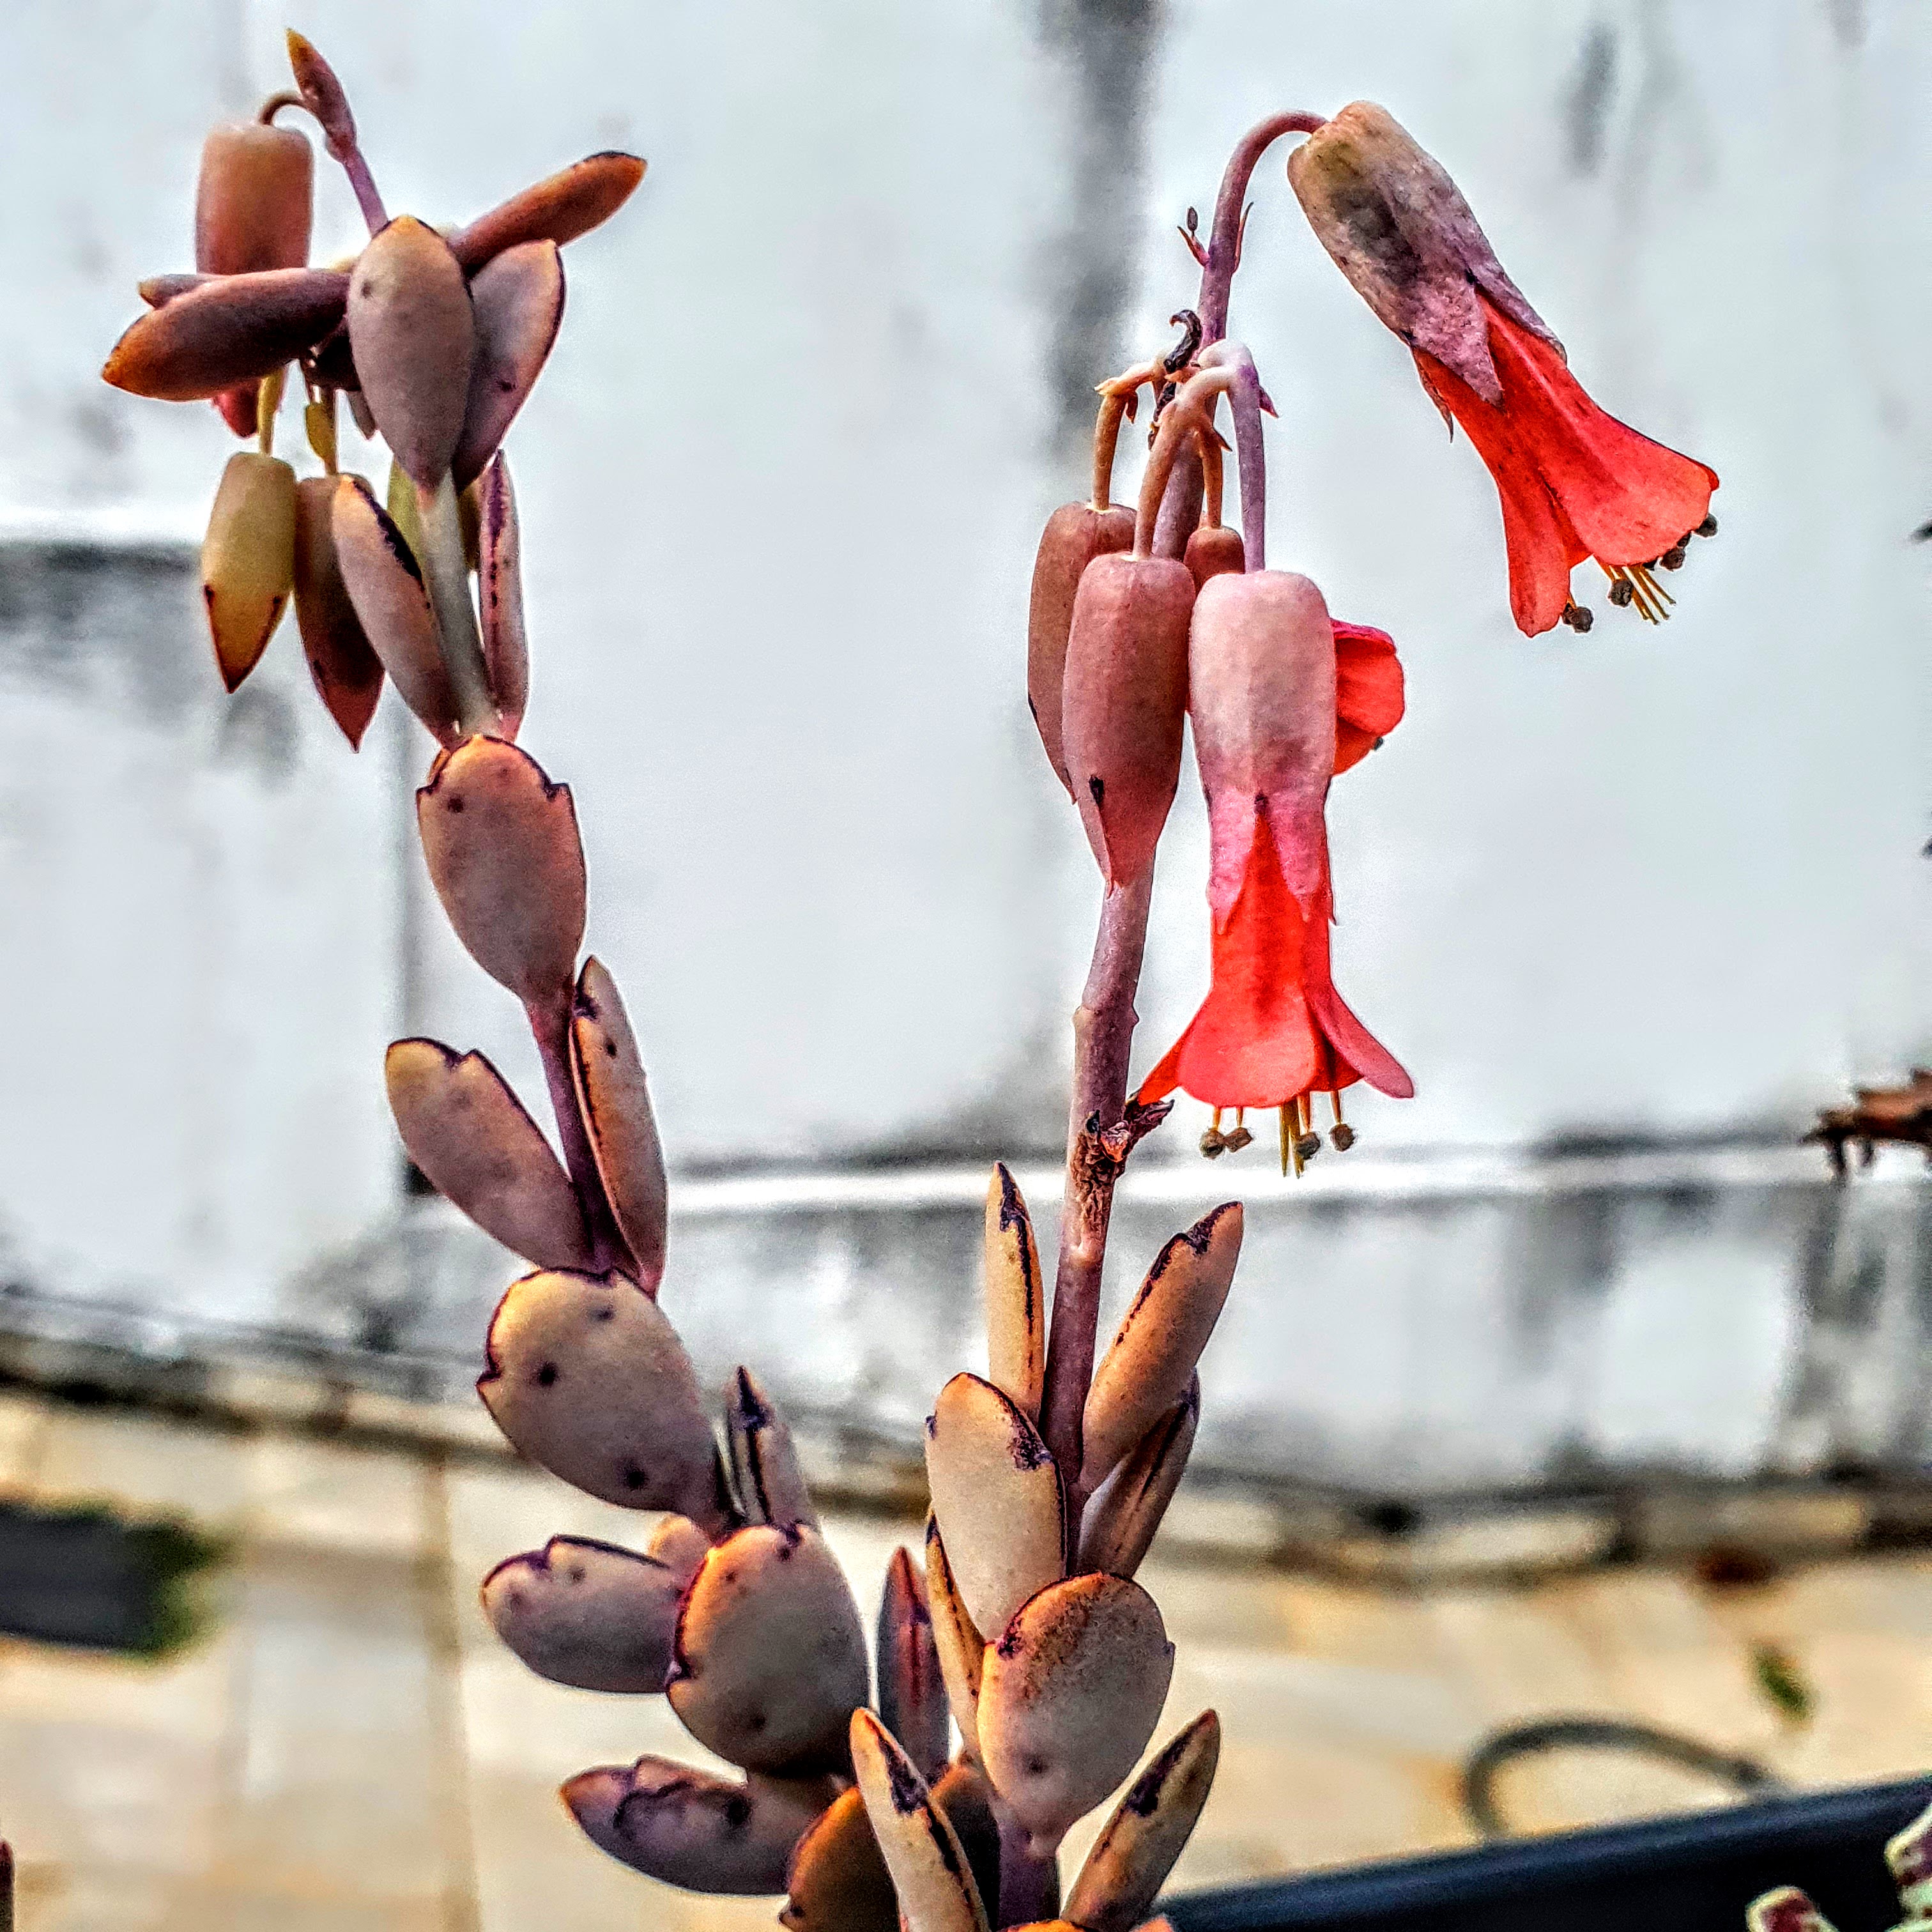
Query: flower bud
1216,550
1261,691
252,201
1398,227
1075,534
1125,697
413,334
348,673
248,559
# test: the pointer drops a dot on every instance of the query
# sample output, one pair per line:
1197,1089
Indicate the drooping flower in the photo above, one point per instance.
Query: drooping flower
1281,697
1574,481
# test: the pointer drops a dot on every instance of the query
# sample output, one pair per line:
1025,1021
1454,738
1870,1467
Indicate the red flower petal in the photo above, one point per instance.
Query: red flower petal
1368,691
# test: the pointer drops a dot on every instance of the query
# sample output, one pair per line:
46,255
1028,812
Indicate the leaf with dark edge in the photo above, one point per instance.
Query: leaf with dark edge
962,1650
837,1881
588,1614
1015,1302
518,298
689,1829
997,1498
764,1465
912,1689
499,585
342,662
1150,1361
558,208
248,560
502,846
232,329
470,1134
587,1379
770,1658
1119,1527
936,1892
613,1099
1132,1856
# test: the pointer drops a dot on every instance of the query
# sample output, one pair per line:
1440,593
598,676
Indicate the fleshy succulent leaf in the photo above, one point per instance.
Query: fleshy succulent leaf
518,299
1015,1300
614,1100
558,208
937,1891
587,1614
248,560
912,1689
229,330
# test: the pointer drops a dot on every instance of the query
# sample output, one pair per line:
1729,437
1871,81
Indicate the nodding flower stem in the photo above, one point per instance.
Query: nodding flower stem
322,95
275,103
1191,415
1224,241
1211,481
1106,441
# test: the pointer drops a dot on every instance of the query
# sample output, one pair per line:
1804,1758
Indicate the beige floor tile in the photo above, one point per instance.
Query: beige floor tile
343,1760
23,1430
322,1495
146,1464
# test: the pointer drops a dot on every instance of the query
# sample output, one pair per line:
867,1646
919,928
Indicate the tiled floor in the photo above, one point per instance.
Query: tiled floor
348,1748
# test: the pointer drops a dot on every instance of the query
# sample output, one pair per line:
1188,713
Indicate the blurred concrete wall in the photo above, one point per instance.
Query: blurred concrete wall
817,388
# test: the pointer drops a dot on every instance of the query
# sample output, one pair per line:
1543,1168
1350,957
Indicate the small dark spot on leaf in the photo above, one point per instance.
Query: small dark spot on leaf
635,1478
606,1313
756,1722
737,1812
1036,1767
1097,788
610,1049
575,1572
547,1375
455,805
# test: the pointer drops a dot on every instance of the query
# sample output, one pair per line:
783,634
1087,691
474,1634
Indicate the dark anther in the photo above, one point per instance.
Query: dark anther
1193,221
1578,617
1308,1147
1238,1140
1342,1136
1184,351
1673,558
1707,528
1622,593
1213,1145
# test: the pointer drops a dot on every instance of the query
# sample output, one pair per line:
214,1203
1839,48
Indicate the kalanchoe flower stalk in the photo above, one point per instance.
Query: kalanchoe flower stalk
1574,482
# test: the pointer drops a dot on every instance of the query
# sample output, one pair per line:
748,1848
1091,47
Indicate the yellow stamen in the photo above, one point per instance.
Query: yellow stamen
1649,598
1287,1146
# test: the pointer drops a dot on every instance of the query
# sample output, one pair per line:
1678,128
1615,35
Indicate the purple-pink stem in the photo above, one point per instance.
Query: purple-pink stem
1100,1132
1098,1137
1029,1887
549,1026
1224,238
1244,403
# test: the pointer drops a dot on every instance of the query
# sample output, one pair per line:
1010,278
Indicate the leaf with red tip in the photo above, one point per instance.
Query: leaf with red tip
1151,1361
764,1465
1015,1300
614,1098
413,335
837,1881
232,329
1119,1527
1132,1856
1125,696
1072,1690
997,1498
518,299
500,581
587,1378
157,291
558,208
385,584
503,852
936,1889
1075,534
347,673
248,560
961,1649
470,1134
912,1689
587,1614
252,199
687,1827
770,1658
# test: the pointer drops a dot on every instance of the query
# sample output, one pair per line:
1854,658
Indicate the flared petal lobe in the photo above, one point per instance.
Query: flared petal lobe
1272,1026
1574,482
1368,699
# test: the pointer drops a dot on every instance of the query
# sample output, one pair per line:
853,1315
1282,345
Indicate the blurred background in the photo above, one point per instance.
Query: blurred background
1630,907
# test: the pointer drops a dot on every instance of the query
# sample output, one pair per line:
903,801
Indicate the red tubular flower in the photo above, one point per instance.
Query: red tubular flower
1282,697
1574,482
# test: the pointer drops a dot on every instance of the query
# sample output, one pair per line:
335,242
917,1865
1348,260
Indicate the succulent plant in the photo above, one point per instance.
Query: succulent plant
1022,1632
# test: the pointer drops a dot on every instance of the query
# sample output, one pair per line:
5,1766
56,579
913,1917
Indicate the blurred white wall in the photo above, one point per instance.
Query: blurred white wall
817,386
